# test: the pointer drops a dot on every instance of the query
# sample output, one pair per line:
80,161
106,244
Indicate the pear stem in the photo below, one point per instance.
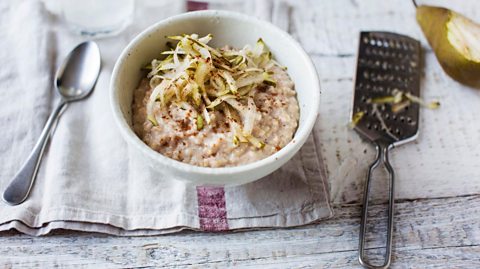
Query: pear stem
415,3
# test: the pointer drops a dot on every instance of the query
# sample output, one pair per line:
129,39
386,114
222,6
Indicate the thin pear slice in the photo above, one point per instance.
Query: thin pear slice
455,40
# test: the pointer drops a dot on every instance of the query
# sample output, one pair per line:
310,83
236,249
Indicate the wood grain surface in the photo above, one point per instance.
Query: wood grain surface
430,233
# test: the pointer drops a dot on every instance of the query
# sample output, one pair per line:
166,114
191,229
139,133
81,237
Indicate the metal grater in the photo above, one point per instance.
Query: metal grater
386,61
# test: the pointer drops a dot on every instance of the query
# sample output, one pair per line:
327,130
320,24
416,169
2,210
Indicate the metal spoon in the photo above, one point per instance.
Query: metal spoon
74,80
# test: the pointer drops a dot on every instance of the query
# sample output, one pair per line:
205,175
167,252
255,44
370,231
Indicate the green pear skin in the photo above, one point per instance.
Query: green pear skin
434,21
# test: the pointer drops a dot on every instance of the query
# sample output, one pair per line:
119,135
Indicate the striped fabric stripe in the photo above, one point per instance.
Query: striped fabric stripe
212,210
196,5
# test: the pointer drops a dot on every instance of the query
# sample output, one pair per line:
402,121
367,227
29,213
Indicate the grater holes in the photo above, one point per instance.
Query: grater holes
398,45
410,121
366,75
389,65
385,43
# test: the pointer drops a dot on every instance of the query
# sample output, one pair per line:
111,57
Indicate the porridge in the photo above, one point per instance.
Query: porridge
215,107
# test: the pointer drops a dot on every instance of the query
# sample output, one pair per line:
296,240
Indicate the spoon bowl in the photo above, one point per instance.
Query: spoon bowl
76,77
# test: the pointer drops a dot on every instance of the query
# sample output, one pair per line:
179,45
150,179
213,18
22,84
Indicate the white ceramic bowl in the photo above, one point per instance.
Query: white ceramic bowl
228,28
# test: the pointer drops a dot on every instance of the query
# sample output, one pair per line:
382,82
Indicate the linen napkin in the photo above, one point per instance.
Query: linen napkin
88,180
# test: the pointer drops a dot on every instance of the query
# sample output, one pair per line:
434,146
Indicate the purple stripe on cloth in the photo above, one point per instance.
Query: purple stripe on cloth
211,209
196,5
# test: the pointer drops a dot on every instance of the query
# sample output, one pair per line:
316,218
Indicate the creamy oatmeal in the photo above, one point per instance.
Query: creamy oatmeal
215,108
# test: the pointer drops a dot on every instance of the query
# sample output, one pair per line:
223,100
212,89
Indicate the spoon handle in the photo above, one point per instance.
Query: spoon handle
19,188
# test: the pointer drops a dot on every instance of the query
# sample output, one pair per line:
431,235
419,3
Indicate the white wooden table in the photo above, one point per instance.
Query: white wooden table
438,188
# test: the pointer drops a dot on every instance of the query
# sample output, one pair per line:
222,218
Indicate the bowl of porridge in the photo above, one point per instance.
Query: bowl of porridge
214,97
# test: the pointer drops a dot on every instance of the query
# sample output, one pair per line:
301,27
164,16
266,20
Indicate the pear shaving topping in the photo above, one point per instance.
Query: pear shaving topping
356,119
398,101
206,79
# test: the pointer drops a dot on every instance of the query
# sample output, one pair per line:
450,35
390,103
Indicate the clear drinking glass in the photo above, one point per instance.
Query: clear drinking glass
97,18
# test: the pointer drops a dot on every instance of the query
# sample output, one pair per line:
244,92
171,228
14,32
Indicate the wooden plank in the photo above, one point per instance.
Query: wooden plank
428,234
332,27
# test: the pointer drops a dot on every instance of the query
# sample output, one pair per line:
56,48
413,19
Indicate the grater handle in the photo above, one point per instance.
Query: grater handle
382,157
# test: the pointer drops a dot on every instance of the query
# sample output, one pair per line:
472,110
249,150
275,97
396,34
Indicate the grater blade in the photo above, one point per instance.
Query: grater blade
387,62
